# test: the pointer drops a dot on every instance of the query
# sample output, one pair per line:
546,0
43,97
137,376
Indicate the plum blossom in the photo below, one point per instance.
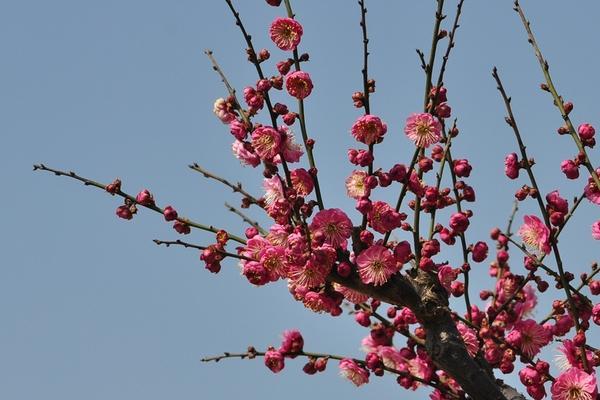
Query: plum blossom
574,384
384,218
351,295
535,234
356,186
529,336
375,265
286,33
368,129
424,129
352,371
299,84
224,111
274,360
334,224
266,142
469,337
246,156
302,182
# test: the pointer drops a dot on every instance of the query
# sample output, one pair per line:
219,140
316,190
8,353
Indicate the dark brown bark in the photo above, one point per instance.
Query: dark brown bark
429,302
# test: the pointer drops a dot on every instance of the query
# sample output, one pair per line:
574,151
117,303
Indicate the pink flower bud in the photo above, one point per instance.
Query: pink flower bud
274,360
263,85
462,168
344,269
364,206
264,54
371,182
398,172
447,237
403,252
362,318
529,376
537,392
124,212
479,251
425,164
437,153
293,342
502,256
586,131
366,237
181,228
169,213
250,232
238,130
426,264
144,198
439,94
443,110
289,118
321,364
459,222
284,67
511,166
570,169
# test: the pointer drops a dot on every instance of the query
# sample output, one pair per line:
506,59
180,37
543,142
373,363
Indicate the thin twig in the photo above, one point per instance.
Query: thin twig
230,89
237,187
168,243
89,182
246,218
252,353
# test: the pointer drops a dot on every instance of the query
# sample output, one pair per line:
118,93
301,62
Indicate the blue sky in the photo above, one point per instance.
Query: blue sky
92,309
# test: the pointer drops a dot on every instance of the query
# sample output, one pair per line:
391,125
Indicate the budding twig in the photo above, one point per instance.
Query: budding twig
511,120
558,100
252,353
89,182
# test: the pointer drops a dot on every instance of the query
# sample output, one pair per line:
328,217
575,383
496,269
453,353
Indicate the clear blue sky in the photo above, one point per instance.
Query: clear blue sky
92,309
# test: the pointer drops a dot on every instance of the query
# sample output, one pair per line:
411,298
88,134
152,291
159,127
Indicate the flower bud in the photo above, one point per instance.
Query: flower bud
169,213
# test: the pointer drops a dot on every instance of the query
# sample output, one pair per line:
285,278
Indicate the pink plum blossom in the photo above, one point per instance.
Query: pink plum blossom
352,371
574,384
535,234
375,265
285,33
334,224
424,129
299,84
368,129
